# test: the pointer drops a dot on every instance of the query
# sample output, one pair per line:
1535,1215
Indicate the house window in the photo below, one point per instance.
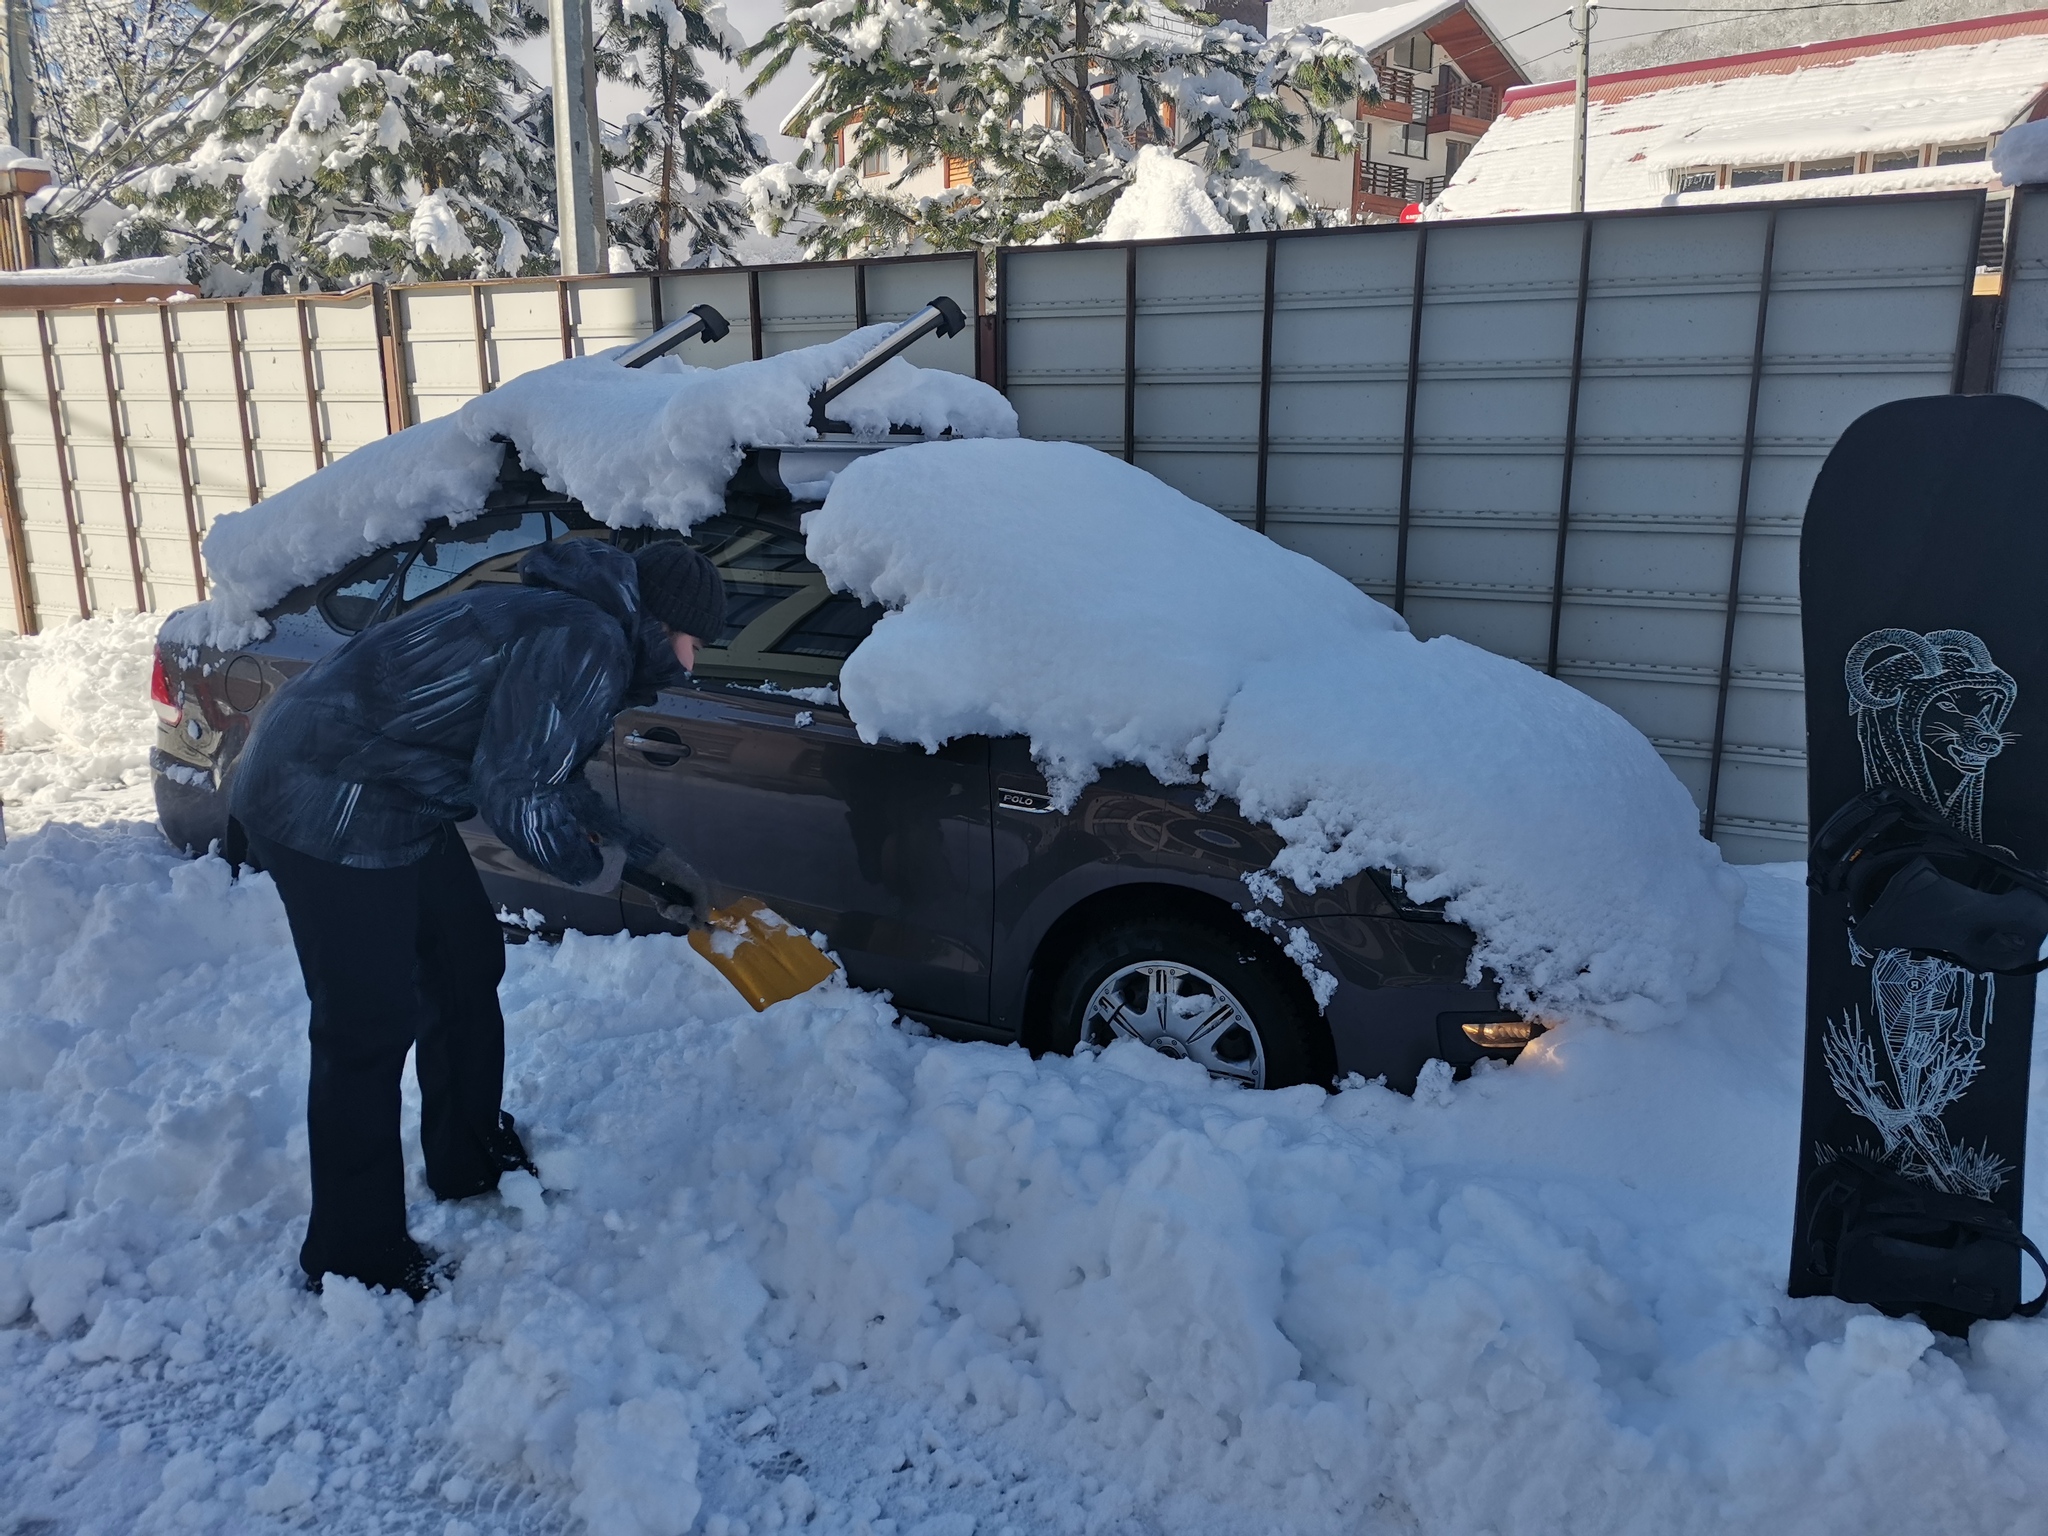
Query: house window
1415,52
959,171
1455,152
1840,165
1701,178
1896,160
1265,138
1958,154
1756,175
1411,140
876,161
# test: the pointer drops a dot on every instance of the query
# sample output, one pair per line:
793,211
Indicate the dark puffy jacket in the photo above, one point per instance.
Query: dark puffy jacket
485,703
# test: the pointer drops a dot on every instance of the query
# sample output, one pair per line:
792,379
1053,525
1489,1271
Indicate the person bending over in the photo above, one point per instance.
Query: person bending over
485,703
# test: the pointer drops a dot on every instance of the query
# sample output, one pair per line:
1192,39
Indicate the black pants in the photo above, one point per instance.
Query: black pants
393,959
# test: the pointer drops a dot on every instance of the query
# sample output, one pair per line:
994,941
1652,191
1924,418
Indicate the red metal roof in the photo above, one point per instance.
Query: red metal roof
1776,61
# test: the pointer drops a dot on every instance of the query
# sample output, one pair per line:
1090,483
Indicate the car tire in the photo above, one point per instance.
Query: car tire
1196,990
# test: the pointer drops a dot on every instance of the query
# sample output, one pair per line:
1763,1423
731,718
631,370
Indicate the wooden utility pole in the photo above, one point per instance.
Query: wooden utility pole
579,175
1582,35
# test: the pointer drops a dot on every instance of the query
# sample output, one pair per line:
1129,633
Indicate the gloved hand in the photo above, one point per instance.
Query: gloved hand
680,894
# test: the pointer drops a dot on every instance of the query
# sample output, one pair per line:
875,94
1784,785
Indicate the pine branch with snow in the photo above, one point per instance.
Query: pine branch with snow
353,140
677,160
993,86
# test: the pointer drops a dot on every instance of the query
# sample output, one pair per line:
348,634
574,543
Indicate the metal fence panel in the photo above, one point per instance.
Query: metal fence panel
2023,334
126,429
1557,438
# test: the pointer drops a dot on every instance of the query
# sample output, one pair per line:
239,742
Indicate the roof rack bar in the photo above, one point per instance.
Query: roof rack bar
701,321
941,315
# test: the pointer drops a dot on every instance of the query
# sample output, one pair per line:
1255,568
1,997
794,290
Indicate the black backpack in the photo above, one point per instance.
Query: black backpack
1913,882
1903,1247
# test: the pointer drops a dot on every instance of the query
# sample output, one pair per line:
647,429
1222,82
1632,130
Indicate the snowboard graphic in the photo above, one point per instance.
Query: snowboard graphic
1921,567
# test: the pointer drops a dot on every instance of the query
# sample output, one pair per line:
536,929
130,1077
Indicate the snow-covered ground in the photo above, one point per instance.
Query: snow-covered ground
807,1269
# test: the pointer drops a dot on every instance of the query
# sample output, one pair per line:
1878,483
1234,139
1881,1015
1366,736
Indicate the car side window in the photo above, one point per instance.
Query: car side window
353,599
782,624
450,553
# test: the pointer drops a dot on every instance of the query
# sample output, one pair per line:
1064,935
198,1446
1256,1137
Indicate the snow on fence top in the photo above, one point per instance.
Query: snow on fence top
1047,589
640,447
1959,85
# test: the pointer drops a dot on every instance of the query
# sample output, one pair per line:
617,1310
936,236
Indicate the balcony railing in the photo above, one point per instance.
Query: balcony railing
1406,88
1465,98
1376,180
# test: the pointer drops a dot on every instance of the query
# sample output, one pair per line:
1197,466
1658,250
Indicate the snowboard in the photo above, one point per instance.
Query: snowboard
1922,566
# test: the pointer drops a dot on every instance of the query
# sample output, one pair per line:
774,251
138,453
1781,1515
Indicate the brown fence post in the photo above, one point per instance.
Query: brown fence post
312,387
390,358
60,442
16,530
241,399
121,476
183,441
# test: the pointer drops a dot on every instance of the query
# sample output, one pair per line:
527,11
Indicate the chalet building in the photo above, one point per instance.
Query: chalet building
1442,75
1916,110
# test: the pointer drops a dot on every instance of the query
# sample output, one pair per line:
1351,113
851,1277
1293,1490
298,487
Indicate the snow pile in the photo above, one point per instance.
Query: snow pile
1167,198
805,1270
638,447
809,1270
75,720
1147,628
2021,156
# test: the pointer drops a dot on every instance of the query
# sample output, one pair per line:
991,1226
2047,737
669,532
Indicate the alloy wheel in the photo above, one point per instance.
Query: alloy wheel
1180,1012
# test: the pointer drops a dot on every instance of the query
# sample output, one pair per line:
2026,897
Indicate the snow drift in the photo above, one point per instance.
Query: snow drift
1049,590
639,447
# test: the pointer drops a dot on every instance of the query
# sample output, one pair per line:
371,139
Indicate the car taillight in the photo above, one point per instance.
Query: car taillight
168,709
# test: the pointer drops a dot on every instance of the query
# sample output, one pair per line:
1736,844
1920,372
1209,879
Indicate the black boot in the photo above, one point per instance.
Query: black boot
509,1149
416,1271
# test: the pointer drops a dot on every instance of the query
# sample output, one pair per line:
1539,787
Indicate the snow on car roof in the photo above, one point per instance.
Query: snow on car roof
642,447
1050,590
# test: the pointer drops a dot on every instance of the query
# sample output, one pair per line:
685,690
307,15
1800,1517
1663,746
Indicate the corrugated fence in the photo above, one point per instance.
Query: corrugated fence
1585,442
125,429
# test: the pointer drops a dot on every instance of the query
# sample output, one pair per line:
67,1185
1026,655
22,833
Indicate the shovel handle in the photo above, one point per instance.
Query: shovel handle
661,890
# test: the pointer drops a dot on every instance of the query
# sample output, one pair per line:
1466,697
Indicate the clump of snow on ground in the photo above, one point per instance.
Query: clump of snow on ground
75,722
650,446
1146,628
1167,198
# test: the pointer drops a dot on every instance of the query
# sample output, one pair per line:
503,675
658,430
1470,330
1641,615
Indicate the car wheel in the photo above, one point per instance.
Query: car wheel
1196,992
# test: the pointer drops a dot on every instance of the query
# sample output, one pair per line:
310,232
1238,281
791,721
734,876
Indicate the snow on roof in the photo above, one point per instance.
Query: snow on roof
155,270
638,447
1389,24
1893,92
1557,833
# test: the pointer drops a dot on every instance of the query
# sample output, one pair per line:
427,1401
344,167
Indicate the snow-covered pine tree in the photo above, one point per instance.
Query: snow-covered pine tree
995,85
676,162
352,140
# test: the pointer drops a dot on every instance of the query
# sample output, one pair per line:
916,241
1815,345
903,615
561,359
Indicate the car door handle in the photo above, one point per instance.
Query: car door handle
660,745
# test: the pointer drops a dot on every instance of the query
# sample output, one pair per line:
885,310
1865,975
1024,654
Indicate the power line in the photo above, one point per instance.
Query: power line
1697,26
1546,21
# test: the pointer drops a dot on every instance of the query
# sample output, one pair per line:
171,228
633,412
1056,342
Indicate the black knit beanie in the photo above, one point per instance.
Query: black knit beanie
682,589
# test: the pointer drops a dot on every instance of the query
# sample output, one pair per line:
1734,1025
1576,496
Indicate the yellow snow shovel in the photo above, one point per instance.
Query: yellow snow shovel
765,959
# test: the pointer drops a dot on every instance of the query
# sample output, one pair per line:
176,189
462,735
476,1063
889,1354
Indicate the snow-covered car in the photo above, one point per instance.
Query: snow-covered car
972,870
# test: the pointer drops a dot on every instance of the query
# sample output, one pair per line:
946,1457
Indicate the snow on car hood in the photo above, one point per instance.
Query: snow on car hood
639,447
1049,590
